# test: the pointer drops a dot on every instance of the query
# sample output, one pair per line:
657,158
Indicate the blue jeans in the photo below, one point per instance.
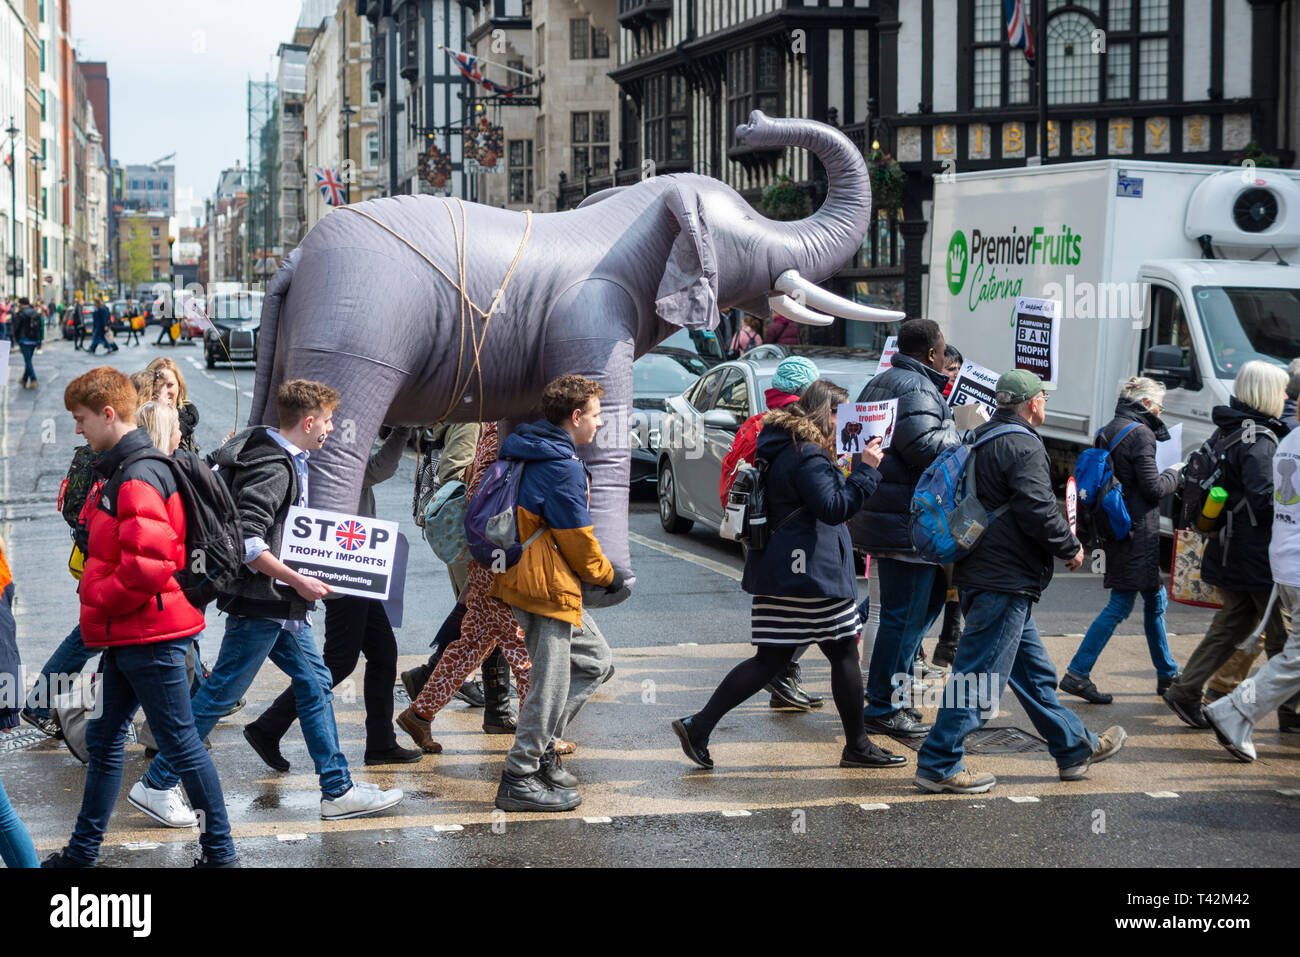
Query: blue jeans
28,349
248,643
68,660
16,847
1117,609
101,338
911,597
1000,646
152,677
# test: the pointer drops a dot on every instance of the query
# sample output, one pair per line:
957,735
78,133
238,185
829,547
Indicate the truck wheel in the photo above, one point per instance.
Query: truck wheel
668,517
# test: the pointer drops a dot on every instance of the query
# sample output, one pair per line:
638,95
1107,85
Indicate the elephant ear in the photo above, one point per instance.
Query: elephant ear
688,292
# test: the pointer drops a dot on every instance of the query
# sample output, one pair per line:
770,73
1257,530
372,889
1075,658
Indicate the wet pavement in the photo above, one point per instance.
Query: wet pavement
776,796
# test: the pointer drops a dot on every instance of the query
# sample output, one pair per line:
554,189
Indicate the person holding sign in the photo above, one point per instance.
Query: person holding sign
802,582
1133,564
1001,579
912,592
268,612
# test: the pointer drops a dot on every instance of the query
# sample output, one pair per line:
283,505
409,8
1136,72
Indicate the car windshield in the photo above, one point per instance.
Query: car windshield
1244,323
240,305
659,375
700,341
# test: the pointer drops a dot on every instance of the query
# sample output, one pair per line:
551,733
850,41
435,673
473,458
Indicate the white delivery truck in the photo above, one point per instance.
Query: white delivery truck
1177,271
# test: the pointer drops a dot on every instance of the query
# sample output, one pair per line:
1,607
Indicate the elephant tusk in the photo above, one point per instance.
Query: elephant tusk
798,312
793,284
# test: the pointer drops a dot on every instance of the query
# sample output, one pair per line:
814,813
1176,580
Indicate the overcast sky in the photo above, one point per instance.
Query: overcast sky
177,73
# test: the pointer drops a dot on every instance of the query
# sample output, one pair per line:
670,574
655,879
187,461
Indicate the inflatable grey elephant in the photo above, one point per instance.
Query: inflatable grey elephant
417,308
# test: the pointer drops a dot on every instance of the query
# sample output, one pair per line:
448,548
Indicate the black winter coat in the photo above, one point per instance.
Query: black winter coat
1134,563
1236,557
923,430
810,556
1015,553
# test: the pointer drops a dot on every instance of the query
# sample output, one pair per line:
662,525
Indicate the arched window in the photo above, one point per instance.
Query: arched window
1073,70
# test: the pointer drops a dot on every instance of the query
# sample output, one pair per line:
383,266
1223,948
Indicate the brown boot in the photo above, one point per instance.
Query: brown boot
419,730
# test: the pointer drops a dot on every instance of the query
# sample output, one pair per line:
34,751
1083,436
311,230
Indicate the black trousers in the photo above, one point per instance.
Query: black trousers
353,627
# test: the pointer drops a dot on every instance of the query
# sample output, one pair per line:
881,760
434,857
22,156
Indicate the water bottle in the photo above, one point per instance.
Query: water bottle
1211,510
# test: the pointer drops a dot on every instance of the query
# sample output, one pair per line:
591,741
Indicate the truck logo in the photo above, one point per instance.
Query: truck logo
957,260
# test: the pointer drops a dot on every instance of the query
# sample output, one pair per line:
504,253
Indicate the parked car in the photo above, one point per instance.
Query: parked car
120,313
702,421
234,319
656,377
83,313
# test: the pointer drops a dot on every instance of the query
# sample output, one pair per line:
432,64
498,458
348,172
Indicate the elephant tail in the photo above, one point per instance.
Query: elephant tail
265,386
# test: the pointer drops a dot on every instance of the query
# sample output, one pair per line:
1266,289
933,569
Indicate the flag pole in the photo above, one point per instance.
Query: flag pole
1039,27
488,62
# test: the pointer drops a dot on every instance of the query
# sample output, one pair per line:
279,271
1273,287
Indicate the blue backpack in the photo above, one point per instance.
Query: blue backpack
491,526
1103,515
947,517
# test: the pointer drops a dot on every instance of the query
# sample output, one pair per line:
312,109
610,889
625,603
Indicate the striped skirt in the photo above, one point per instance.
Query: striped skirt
779,620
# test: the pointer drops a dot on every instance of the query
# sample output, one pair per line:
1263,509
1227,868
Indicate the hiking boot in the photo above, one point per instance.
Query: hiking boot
963,782
788,695
532,792
553,771
499,716
471,692
421,731
1083,688
413,681
1108,744
1191,715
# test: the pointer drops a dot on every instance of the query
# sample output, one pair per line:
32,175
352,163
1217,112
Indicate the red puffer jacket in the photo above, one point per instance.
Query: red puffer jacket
136,524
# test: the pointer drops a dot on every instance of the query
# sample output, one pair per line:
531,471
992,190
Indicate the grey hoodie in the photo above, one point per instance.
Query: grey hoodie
264,485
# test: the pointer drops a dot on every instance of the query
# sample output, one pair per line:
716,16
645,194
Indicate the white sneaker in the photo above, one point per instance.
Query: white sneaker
168,808
359,800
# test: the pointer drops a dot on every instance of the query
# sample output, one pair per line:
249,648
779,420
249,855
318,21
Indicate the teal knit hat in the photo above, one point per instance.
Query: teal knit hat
795,374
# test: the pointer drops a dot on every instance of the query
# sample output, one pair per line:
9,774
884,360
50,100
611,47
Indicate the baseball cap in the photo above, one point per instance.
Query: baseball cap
795,374
1020,385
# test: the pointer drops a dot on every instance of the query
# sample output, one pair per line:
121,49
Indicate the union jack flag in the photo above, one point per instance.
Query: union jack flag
331,187
468,66
1018,32
350,535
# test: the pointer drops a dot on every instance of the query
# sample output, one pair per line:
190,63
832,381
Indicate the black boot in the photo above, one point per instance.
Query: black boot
498,715
415,679
953,623
788,694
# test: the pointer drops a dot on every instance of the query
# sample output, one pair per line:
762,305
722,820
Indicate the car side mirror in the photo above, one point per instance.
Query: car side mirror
721,419
1167,366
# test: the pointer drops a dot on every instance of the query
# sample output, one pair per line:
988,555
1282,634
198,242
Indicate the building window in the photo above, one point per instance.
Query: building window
155,236
587,42
520,154
539,45
42,56
753,83
630,148
372,150
590,138
668,119
43,105
156,253
1073,74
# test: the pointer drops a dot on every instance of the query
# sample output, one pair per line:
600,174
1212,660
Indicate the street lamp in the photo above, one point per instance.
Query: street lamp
13,192
63,185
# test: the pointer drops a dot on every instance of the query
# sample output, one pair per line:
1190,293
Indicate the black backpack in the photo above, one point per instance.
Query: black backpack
214,540
747,503
1204,470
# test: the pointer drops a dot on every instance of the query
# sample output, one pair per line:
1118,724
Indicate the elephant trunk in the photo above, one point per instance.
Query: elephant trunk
820,244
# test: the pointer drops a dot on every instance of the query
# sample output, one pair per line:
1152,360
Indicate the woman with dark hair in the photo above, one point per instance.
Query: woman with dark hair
803,582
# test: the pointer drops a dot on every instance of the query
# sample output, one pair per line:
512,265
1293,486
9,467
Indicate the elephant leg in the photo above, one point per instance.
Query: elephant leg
590,332
366,390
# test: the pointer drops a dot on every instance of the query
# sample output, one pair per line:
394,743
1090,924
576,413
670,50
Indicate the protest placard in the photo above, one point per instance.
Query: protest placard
1038,337
887,354
353,554
974,385
857,423
1170,452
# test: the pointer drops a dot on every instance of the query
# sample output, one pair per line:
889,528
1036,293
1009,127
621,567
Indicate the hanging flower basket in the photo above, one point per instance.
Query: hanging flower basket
887,181
783,200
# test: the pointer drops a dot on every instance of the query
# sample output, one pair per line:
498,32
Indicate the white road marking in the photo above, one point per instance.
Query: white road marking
874,807
599,820
1022,799
286,838
225,385
1289,792
448,827
249,394
737,813
710,564
1161,794
194,362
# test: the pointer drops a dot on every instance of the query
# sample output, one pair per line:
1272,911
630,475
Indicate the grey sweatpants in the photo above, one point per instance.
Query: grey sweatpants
1273,684
569,664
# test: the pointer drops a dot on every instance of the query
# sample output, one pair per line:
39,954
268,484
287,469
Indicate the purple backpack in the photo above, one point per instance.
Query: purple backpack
491,526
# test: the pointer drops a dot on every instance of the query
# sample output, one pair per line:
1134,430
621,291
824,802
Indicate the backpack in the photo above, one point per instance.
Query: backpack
426,478
75,489
1203,471
491,524
746,518
214,540
744,448
947,518
443,521
1103,513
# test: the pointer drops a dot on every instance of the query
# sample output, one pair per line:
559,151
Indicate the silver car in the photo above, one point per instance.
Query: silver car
701,423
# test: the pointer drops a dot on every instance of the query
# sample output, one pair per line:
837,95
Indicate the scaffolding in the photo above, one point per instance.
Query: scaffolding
260,256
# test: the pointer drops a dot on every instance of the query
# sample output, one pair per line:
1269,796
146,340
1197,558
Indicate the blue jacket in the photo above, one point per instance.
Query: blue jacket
555,492
810,556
